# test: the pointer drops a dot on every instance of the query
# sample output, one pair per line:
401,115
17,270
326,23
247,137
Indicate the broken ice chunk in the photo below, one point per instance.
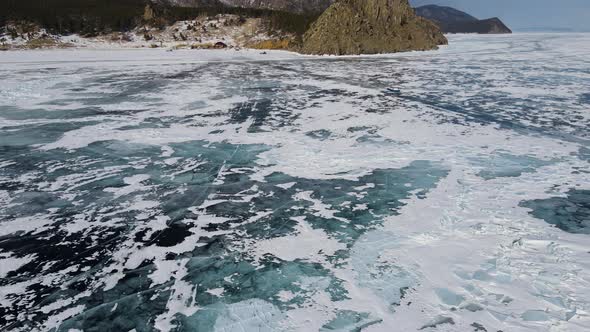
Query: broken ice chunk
448,297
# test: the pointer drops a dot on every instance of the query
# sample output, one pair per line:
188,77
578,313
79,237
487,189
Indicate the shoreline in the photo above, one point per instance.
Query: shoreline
158,56
126,54
88,44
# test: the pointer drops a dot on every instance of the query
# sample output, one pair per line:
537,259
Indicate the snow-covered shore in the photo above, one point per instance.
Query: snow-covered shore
88,57
200,33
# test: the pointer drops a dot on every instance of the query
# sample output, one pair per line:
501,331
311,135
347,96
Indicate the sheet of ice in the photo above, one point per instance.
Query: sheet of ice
307,244
142,189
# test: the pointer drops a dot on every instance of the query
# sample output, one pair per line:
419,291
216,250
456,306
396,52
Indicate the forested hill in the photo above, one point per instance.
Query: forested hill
74,15
97,16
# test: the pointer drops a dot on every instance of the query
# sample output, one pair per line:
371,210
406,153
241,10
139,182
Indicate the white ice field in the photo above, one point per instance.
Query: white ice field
448,190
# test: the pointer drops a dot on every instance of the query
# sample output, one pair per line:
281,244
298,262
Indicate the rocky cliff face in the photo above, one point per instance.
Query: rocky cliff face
455,21
369,27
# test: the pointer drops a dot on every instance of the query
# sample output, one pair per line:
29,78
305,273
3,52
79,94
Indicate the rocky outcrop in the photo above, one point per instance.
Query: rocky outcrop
369,27
451,20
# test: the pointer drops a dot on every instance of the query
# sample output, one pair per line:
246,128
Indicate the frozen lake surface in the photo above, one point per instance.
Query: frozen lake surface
146,190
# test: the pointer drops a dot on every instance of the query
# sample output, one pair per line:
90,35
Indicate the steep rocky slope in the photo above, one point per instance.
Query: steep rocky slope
369,27
451,20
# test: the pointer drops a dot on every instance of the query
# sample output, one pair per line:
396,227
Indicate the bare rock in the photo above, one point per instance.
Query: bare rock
369,27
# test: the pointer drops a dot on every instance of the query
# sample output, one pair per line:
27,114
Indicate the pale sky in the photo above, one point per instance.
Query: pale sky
523,14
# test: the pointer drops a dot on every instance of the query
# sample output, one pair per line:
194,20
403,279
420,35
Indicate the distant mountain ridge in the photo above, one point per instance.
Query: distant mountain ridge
451,20
293,6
